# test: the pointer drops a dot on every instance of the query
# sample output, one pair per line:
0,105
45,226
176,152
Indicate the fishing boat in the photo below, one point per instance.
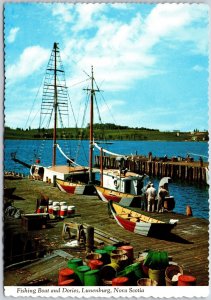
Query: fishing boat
140,223
54,106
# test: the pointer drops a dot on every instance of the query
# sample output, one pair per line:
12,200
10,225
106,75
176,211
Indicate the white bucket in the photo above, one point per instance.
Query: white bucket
63,211
56,203
56,211
50,202
63,203
70,210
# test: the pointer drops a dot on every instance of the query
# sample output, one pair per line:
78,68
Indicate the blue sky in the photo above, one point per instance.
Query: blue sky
151,61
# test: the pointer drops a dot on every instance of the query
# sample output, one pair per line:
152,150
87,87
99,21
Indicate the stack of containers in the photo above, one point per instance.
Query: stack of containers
59,209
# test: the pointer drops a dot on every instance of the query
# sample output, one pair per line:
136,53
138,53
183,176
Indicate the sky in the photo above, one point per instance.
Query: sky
150,61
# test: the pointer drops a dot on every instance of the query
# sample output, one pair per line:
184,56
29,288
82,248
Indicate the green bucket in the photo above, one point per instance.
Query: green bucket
133,272
105,256
74,263
80,271
92,278
109,248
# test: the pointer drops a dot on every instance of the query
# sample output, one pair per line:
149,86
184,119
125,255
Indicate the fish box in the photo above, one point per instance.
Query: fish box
34,221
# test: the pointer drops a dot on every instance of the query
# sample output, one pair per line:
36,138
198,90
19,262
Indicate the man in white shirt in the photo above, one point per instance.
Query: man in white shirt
151,195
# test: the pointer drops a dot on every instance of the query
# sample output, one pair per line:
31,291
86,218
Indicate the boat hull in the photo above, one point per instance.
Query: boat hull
108,195
75,188
139,223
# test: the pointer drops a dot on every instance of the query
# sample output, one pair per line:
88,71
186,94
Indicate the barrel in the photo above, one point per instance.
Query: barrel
105,257
109,271
129,250
63,211
92,278
80,271
70,210
186,280
66,274
56,210
67,282
95,264
74,263
119,281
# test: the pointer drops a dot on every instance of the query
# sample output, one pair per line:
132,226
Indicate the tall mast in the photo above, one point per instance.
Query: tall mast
91,126
55,106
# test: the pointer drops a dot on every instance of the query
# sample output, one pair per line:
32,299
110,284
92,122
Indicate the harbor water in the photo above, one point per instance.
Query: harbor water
185,194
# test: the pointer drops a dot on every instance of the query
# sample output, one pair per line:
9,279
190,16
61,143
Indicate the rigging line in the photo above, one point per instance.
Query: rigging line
79,82
57,145
34,103
98,111
108,152
72,109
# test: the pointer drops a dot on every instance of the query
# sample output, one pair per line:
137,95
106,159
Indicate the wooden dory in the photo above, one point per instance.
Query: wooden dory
140,223
75,188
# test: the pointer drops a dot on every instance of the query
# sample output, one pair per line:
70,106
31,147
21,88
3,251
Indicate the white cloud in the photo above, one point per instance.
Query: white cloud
12,34
63,11
31,59
198,68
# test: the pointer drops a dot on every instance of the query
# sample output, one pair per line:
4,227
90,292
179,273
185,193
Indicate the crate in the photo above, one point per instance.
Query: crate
34,221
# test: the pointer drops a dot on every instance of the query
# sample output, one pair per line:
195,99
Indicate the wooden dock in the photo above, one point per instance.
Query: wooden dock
185,170
188,243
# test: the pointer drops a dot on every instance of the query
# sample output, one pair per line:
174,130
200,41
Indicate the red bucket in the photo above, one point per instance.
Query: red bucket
95,264
67,282
66,274
186,280
119,281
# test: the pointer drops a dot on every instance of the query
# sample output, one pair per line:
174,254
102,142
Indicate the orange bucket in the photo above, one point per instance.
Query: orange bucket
67,282
186,280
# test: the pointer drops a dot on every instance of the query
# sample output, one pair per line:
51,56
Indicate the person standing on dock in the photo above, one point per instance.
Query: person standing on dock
162,193
151,195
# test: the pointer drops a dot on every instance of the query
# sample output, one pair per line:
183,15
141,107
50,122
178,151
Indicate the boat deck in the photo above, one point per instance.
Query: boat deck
187,244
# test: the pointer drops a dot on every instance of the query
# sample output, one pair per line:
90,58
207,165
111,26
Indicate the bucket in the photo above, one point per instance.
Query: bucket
40,209
109,248
56,210
50,202
74,263
109,271
63,203
50,209
56,203
172,273
133,272
80,271
66,274
186,280
70,210
146,282
157,275
63,211
67,282
119,281
105,257
92,278
95,264
121,260
91,256
129,250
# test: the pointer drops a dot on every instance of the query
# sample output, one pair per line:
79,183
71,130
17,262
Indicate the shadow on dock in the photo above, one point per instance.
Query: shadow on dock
172,237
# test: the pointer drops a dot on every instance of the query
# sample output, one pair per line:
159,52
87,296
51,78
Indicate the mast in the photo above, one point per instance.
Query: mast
91,126
55,106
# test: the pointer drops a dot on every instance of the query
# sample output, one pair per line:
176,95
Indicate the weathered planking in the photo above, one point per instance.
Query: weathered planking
188,243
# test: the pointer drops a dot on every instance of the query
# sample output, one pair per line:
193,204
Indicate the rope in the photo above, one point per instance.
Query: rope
108,152
198,154
67,156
